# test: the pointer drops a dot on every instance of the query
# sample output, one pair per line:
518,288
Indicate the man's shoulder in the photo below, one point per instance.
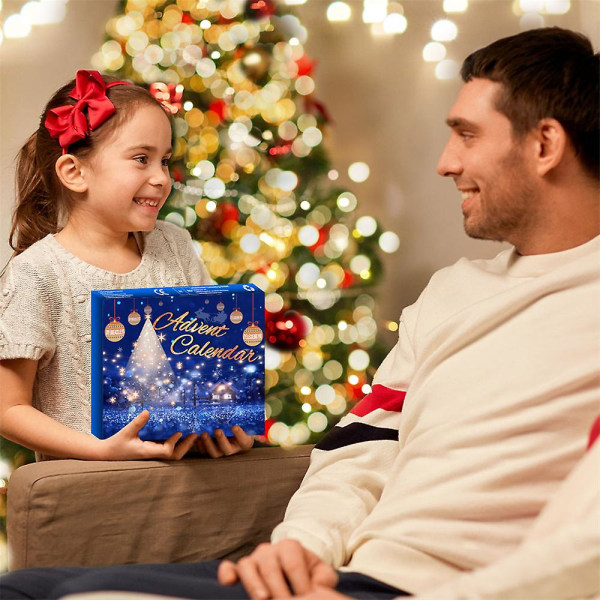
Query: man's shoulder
469,267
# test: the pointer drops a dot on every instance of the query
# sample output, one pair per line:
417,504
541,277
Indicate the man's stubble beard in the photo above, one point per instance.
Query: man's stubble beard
508,209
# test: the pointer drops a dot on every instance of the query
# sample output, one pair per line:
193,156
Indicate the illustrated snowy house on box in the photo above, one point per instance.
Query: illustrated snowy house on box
223,392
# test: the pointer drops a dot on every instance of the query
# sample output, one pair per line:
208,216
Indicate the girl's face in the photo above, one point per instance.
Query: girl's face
128,178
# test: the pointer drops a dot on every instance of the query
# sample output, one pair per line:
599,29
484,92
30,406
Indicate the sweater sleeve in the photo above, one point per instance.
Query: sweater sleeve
26,313
350,465
558,559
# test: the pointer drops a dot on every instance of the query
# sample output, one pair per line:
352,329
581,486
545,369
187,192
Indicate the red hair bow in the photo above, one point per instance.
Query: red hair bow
71,123
169,95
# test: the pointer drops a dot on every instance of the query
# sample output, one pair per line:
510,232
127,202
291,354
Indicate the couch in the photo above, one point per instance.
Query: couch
79,513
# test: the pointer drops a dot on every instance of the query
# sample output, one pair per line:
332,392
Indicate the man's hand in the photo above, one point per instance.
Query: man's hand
278,571
127,445
222,445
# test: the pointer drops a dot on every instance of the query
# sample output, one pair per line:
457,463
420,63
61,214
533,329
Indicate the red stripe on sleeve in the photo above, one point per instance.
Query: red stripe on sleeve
594,432
380,397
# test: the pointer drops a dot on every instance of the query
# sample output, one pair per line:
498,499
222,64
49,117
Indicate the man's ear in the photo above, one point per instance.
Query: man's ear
71,173
551,144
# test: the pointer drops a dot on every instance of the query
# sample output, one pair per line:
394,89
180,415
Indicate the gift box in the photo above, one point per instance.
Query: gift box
193,356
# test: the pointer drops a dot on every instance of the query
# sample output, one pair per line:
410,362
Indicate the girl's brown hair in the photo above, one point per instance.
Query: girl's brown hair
42,201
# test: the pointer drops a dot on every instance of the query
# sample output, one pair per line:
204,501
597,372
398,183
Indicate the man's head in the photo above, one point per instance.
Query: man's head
524,141
546,73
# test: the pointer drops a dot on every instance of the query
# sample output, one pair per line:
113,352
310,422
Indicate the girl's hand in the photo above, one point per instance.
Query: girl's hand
127,445
224,446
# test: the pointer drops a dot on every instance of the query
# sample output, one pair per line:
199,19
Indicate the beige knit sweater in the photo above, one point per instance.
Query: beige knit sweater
45,311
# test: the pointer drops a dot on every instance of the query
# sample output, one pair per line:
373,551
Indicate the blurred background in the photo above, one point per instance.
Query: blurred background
307,137
386,103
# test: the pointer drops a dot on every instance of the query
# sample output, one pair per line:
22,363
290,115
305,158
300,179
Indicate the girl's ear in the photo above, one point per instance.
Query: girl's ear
551,141
70,171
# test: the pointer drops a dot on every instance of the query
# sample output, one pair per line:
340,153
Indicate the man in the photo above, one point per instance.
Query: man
433,485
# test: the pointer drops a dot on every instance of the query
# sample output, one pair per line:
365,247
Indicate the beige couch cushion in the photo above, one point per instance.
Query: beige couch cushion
69,512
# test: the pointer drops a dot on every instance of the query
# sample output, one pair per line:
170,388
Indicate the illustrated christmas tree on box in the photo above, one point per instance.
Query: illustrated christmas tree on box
195,360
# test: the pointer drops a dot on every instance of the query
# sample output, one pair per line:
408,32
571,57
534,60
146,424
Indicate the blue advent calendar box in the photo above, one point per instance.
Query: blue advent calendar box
192,356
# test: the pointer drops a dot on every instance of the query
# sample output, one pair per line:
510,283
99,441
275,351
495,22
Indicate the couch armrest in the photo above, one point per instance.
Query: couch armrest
79,513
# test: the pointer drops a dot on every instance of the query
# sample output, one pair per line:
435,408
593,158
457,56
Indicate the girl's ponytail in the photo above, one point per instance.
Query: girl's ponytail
36,210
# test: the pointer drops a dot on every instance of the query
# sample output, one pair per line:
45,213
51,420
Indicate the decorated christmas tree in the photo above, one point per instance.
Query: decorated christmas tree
253,184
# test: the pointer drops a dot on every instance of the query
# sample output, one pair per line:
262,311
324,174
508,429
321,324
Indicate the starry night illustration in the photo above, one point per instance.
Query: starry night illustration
192,356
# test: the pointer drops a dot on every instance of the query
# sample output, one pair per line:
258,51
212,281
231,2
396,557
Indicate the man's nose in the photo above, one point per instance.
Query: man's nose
449,164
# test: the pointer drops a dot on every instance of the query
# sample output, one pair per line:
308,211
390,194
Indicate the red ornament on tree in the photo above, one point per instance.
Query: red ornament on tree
348,279
177,173
285,329
305,65
354,389
259,9
264,439
170,95
219,107
226,211
323,237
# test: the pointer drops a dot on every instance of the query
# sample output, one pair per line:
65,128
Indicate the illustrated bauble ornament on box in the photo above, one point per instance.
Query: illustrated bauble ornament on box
134,317
236,316
285,329
115,330
252,335
220,306
147,311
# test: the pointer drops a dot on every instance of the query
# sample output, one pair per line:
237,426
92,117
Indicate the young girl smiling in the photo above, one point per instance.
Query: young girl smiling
90,183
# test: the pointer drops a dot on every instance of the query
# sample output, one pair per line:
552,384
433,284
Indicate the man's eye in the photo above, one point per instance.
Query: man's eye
141,159
466,136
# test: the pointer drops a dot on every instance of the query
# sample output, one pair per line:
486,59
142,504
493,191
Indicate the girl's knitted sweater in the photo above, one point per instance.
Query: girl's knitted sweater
45,311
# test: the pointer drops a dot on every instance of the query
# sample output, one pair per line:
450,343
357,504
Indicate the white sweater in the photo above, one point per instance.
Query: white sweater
45,311
476,417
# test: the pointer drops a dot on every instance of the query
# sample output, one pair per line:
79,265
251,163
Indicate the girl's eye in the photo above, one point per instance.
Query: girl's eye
141,159
165,162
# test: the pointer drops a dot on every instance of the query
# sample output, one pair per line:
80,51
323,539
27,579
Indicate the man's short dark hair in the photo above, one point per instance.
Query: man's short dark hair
549,72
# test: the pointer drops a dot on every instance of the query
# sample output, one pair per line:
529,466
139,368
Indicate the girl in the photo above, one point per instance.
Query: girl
90,182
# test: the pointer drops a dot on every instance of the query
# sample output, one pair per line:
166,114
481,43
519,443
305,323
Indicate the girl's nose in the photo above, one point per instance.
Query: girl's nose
160,176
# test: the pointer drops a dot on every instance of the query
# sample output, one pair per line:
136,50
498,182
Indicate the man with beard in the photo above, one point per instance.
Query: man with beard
450,479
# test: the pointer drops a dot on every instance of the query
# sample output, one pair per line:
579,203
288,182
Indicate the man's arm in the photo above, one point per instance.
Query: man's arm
558,559
348,471
342,485
350,465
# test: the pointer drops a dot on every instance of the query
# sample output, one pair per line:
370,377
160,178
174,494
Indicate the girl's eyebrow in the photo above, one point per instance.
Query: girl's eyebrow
147,149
